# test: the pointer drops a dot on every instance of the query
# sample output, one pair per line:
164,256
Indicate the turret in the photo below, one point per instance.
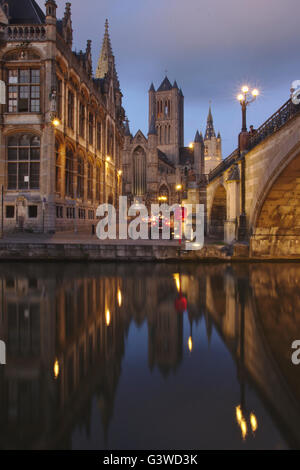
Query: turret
51,19
198,154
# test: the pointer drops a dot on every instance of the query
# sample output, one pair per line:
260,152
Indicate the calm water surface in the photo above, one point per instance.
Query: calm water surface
144,356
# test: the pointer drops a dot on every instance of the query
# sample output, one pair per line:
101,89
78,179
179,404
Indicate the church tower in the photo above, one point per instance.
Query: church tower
166,111
212,145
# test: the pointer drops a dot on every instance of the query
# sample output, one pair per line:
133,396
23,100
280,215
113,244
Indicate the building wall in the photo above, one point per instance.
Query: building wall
56,61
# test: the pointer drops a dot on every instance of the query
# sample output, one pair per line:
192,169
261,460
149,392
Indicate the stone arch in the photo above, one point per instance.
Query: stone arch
280,209
139,171
218,213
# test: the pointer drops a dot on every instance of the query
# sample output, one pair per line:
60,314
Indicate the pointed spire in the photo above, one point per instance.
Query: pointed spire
210,131
165,85
152,128
175,85
106,59
219,135
127,129
197,138
152,87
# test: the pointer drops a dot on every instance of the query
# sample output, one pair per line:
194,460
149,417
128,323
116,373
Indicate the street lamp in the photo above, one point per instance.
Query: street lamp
246,97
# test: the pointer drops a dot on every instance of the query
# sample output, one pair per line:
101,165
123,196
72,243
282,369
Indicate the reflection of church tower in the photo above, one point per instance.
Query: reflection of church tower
166,105
212,145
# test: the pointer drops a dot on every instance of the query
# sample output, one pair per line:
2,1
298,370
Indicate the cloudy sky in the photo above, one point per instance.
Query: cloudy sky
211,47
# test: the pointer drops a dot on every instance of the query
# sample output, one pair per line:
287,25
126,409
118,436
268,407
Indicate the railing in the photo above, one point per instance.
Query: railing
223,165
25,33
269,127
274,123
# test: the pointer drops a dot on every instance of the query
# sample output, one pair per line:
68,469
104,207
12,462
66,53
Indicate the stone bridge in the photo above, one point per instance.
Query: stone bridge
254,194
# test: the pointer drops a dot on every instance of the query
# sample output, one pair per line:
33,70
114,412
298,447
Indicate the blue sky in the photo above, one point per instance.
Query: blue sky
211,47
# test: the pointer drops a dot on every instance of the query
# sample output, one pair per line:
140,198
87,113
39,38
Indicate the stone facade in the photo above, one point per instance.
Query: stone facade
157,165
61,130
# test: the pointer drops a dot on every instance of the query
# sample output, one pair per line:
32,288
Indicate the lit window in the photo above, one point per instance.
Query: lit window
24,91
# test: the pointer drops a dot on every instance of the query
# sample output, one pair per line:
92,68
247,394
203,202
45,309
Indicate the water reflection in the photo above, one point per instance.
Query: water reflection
149,356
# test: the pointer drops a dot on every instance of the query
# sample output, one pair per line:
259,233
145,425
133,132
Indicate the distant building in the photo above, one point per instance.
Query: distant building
61,130
156,165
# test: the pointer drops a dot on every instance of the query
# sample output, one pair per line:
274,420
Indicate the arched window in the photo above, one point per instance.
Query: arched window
90,181
23,155
98,184
57,167
69,172
139,164
80,177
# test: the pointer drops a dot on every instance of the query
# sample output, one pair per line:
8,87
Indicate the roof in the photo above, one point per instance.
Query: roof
25,12
165,85
186,155
163,157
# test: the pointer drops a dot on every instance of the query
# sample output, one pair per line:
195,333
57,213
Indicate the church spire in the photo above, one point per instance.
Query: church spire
210,131
106,59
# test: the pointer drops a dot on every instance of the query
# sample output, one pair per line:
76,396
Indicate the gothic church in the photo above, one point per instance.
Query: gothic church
159,167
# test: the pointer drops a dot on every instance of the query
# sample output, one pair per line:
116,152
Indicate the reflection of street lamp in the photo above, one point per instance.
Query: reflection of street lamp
56,369
241,419
243,98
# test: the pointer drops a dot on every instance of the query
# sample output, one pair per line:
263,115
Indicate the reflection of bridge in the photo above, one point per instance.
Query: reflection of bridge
254,194
261,352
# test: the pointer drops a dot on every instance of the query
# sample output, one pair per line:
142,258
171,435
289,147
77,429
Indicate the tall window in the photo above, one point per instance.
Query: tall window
59,98
139,164
98,135
69,172
23,155
98,182
80,177
24,91
90,181
91,129
70,110
57,168
81,120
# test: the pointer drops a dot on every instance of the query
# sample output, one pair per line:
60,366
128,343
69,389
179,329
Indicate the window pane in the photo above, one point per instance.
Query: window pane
35,154
23,176
13,92
25,140
35,76
12,176
23,154
34,175
12,76
12,106
35,106
35,141
35,91
24,76
12,153
13,141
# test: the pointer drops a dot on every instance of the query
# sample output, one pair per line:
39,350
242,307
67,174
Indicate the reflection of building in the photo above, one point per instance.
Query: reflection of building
155,165
62,129
65,353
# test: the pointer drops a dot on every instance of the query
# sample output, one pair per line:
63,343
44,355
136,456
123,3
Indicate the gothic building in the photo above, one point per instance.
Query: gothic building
61,129
157,165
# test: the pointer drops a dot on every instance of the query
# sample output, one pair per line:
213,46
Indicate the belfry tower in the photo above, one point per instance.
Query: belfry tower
166,110
212,145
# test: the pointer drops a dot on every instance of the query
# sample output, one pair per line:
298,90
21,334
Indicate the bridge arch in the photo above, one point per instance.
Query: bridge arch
279,203
218,213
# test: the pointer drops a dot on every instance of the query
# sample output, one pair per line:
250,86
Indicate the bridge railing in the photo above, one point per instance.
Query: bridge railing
274,123
223,165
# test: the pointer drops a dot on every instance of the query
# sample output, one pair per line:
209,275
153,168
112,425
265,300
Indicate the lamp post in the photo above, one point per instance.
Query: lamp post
245,100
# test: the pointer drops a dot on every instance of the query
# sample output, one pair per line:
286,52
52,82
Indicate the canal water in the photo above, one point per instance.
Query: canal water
149,356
